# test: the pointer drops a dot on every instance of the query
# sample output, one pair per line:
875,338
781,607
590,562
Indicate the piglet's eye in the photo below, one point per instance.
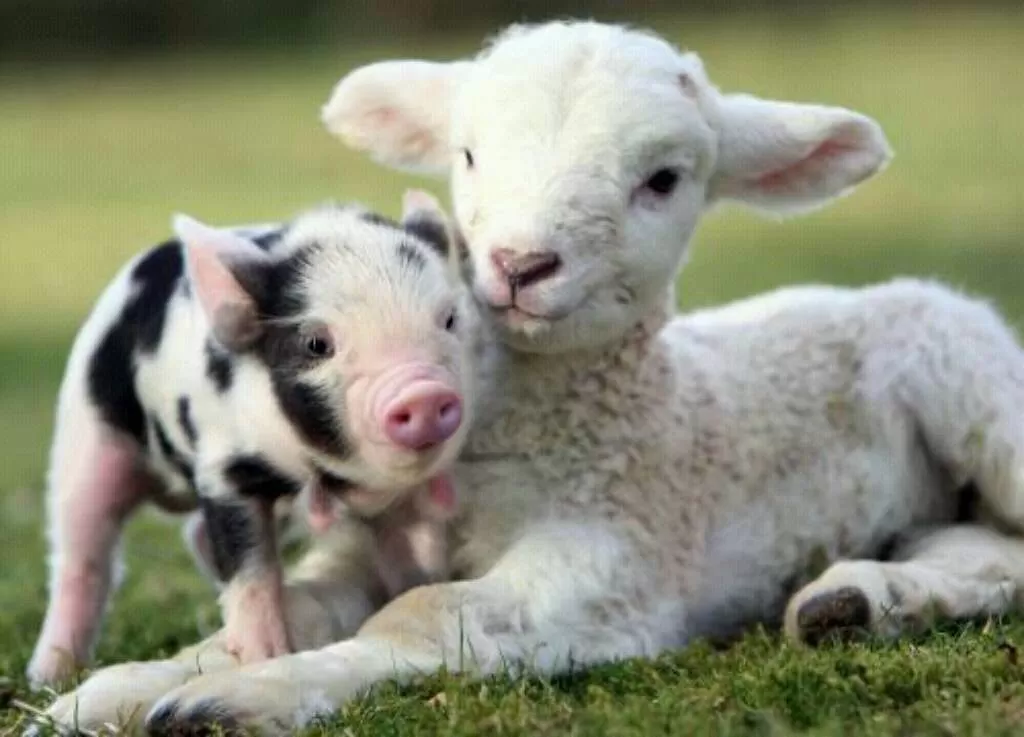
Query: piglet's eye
468,156
663,181
451,321
319,344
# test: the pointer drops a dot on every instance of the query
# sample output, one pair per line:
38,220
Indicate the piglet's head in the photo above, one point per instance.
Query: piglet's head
362,329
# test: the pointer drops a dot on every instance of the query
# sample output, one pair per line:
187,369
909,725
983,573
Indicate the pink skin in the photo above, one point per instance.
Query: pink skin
254,622
413,406
422,416
95,486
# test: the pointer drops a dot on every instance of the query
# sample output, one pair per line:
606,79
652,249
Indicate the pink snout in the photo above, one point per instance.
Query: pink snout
422,416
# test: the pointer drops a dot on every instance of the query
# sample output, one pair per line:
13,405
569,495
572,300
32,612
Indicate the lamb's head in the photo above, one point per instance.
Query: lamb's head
361,329
581,157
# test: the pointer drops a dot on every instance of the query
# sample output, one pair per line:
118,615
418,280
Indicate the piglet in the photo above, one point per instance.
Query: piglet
227,369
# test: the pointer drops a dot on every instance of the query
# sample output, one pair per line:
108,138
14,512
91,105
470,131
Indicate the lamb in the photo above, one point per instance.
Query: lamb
230,370
635,479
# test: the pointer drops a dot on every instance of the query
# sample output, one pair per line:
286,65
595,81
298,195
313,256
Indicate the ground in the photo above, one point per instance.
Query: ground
97,157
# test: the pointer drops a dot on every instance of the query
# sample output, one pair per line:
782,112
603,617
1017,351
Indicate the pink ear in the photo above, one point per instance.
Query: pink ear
210,253
790,157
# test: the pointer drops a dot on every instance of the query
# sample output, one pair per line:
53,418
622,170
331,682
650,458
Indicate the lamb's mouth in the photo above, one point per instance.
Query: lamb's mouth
516,315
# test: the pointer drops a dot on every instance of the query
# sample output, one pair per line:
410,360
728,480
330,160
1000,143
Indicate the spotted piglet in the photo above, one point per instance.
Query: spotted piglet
226,369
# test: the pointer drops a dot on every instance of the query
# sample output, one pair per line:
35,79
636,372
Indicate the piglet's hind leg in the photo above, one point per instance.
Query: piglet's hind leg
95,482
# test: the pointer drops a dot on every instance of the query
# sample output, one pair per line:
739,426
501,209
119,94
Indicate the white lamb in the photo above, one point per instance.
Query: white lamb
635,479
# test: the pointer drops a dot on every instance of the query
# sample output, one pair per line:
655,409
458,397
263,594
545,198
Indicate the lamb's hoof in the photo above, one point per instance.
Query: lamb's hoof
204,719
841,615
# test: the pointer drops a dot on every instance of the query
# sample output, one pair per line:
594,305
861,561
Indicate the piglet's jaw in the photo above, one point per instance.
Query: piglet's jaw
436,501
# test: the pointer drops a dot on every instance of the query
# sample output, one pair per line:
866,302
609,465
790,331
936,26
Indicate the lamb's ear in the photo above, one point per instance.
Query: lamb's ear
214,257
787,157
398,111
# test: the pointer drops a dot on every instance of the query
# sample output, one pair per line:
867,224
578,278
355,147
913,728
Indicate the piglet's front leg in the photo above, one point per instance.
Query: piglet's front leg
242,535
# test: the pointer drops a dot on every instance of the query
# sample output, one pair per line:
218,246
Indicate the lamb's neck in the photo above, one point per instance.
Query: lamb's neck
571,389
569,372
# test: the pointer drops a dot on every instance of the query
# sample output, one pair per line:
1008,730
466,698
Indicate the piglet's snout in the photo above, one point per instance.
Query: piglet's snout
416,406
424,414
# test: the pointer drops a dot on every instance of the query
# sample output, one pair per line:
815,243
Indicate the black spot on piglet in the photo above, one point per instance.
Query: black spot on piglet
185,421
309,412
173,456
332,483
232,534
411,256
219,367
377,218
430,231
138,329
253,476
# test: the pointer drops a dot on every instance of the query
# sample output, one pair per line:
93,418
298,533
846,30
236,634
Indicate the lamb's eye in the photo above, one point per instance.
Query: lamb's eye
663,181
319,345
450,322
468,155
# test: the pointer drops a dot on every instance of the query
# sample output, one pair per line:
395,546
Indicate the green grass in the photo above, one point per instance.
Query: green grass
96,158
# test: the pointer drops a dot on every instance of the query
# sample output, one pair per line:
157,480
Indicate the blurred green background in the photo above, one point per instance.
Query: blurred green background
115,114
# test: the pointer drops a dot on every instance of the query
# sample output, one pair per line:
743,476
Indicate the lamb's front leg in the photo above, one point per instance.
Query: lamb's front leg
952,573
560,596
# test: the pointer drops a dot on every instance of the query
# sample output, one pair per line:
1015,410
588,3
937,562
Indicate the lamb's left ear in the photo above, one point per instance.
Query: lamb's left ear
215,260
398,111
787,157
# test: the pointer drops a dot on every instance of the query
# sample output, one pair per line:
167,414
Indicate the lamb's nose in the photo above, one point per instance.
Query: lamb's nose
522,269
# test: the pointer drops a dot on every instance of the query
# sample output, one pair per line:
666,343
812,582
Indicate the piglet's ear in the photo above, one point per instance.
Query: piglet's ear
213,258
787,157
423,216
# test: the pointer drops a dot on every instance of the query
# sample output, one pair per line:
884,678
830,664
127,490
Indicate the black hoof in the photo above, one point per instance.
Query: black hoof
841,615
205,719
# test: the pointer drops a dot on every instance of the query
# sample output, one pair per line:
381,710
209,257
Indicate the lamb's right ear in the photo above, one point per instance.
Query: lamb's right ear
212,256
787,157
399,112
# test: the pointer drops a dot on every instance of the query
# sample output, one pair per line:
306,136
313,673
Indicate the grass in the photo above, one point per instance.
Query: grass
96,158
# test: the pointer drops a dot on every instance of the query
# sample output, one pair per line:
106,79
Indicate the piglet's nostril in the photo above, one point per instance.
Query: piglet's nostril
521,269
425,420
